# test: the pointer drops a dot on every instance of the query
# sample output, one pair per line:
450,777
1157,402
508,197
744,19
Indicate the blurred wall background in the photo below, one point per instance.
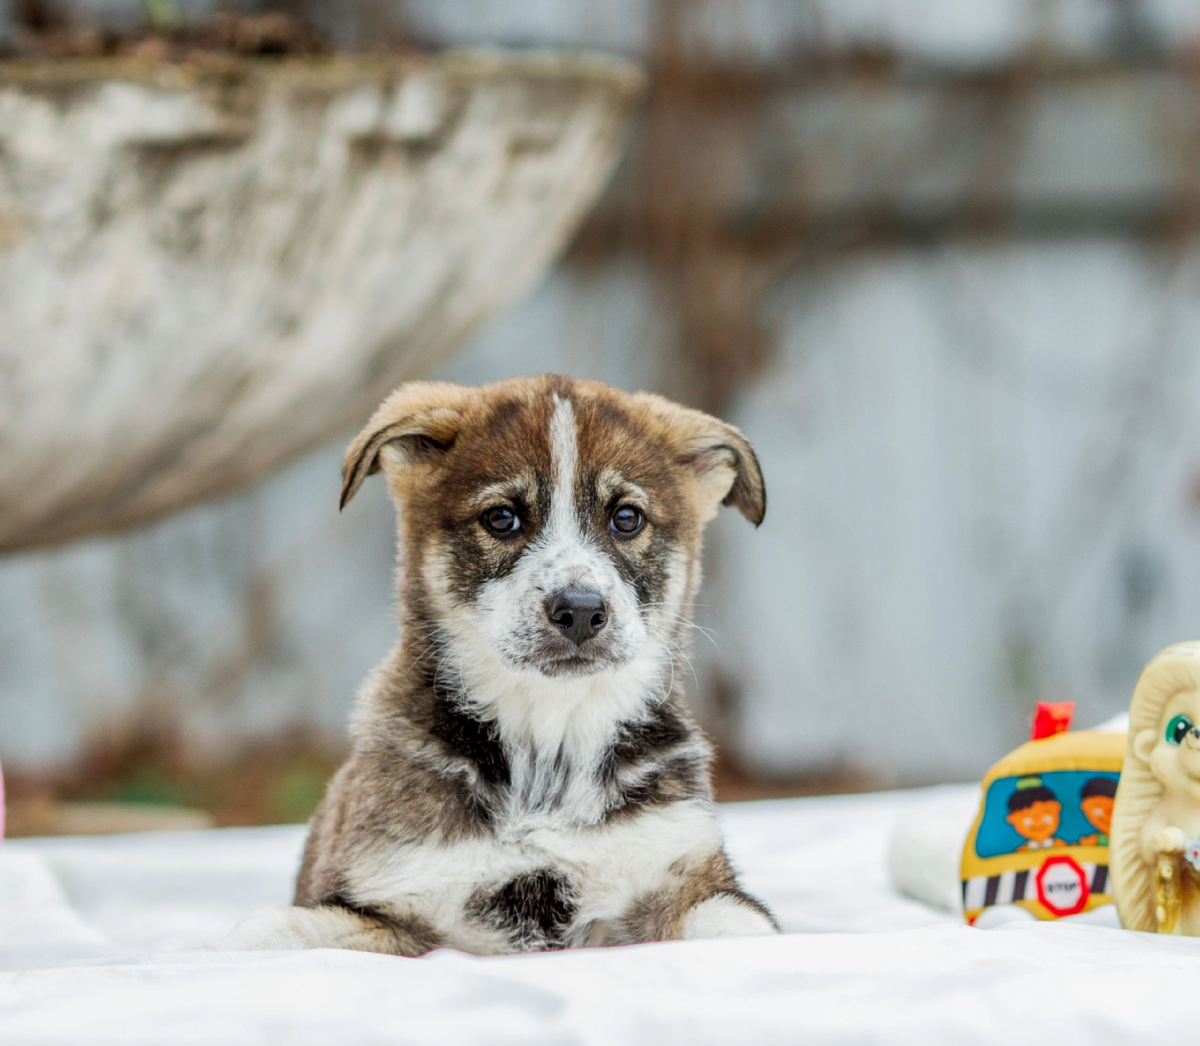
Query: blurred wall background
937,259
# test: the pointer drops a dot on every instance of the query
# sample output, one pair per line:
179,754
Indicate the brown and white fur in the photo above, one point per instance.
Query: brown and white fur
522,778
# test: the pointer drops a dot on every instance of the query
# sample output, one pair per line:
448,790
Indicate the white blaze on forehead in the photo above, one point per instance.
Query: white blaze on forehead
563,524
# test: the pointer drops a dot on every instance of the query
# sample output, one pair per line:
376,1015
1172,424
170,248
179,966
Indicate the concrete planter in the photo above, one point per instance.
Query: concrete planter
205,271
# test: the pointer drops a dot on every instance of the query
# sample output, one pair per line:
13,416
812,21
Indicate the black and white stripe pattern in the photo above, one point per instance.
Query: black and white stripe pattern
982,891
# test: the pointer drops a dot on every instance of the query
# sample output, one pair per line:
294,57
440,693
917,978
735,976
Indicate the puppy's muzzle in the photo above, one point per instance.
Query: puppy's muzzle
579,614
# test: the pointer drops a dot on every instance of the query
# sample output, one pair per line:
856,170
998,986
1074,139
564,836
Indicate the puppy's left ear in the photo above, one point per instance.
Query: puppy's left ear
721,458
420,419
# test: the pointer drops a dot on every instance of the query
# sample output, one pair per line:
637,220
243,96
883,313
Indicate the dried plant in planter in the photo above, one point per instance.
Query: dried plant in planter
164,35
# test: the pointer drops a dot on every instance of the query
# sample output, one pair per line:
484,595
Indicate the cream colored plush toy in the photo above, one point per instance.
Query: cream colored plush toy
1155,849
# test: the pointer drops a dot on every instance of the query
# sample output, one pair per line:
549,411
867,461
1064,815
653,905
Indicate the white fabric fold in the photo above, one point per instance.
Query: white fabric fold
861,963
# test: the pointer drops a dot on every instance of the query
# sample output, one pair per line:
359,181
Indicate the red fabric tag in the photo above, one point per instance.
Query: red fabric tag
1051,717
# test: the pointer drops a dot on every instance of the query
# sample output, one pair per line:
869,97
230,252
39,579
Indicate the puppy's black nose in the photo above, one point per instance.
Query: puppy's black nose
578,613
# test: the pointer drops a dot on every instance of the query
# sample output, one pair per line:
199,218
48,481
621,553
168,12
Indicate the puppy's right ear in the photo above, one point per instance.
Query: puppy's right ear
421,419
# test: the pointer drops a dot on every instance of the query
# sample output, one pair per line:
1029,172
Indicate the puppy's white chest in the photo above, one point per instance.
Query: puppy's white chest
536,885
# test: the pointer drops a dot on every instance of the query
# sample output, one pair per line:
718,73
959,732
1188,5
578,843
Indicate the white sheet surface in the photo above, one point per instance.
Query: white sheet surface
859,964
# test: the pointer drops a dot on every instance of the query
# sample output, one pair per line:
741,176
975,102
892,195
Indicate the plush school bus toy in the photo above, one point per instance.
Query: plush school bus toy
1040,839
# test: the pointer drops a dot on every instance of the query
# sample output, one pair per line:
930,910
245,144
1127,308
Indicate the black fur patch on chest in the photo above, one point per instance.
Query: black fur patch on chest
652,763
473,739
534,910
664,730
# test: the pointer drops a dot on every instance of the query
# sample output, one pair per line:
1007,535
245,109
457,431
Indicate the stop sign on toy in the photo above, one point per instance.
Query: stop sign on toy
1062,886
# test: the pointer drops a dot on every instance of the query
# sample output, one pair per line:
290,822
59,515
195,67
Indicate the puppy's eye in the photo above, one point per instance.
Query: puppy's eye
501,521
626,521
1178,728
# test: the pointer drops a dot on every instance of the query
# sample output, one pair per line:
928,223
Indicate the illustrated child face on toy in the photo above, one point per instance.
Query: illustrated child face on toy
1096,802
1034,812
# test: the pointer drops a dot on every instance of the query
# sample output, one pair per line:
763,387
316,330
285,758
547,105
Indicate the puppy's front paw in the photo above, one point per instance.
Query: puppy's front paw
725,916
268,929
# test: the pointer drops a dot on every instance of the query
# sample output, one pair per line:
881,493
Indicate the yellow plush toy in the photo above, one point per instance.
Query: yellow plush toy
1156,829
1040,839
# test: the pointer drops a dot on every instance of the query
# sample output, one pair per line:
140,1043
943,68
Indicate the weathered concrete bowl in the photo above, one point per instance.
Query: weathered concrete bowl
207,270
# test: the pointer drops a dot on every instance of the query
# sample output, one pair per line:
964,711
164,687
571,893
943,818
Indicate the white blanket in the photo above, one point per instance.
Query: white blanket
859,963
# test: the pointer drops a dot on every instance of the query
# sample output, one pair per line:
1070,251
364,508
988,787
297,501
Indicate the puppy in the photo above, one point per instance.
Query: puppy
525,774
